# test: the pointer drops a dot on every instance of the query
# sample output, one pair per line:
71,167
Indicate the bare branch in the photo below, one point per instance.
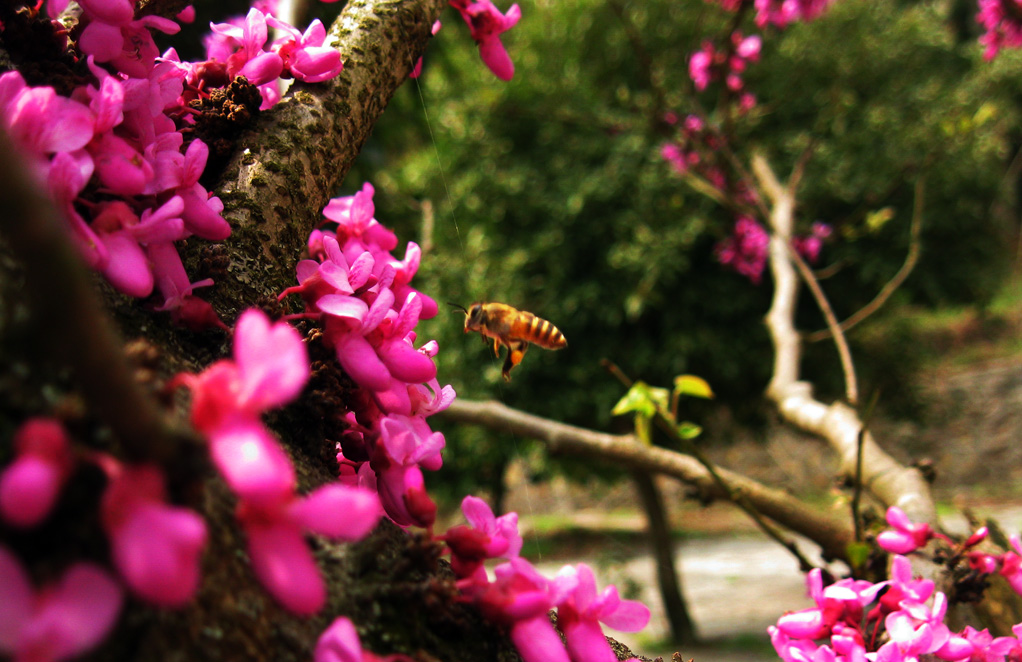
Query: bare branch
911,258
782,220
837,423
627,450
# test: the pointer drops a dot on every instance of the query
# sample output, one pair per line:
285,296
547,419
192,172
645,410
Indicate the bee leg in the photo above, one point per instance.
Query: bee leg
515,352
496,347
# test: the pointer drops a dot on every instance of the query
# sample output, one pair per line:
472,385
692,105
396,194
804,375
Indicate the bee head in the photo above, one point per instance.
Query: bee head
474,317
462,309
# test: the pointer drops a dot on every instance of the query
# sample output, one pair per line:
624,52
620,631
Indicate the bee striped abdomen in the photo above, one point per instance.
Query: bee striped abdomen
545,334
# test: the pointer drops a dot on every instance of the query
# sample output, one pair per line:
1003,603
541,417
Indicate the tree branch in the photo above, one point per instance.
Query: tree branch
627,450
296,155
837,423
892,285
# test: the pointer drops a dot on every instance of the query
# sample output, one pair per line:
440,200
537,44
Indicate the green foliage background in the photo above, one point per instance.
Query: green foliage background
549,193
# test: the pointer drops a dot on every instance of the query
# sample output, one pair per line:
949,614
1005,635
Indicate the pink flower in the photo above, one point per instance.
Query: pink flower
842,601
30,485
155,547
172,281
245,45
782,12
902,587
977,646
1011,565
579,617
405,446
905,537
269,369
699,66
339,643
487,24
486,537
127,46
281,558
746,250
39,120
60,621
520,598
1003,28
304,56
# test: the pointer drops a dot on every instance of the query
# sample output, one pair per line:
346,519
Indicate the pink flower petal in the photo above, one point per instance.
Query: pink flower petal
157,551
537,641
406,363
495,56
338,511
359,359
272,361
283,563
629,616
29,487
586,642
128,269
338,643
252,463
80,611
378,311
117,12
342,305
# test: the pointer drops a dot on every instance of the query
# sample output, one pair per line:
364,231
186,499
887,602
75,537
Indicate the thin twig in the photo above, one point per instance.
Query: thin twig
840,340
911,258
857,485
733,495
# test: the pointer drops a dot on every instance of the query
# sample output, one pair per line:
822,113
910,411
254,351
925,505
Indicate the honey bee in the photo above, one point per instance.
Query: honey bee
511,327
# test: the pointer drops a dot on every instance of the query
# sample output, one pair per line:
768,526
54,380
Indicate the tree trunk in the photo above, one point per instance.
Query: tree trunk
682,629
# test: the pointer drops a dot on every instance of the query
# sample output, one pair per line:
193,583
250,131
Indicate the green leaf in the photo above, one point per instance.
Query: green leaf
692,385
642,399
688,430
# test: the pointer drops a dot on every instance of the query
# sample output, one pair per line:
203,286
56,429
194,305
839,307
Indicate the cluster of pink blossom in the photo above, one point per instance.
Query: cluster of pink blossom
122,137
239,48
905,537
269,369
112,153
698,150
710,63
1002,20
906,621
780,13
810,245
154,546
746,250
519,597
369,312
